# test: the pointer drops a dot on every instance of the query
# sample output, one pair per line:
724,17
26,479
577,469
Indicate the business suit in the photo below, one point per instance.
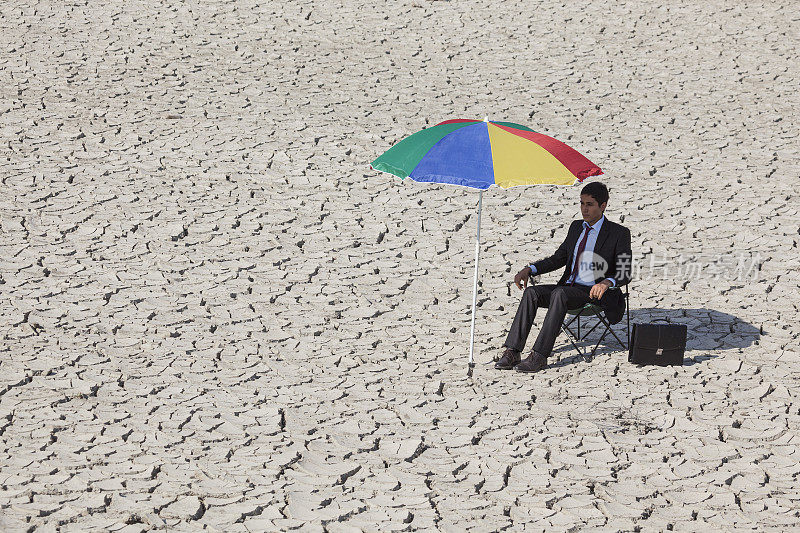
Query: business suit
613,245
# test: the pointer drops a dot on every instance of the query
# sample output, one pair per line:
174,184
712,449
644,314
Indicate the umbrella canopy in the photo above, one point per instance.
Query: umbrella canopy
479,154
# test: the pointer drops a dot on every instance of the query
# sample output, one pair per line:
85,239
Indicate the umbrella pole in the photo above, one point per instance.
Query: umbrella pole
475,285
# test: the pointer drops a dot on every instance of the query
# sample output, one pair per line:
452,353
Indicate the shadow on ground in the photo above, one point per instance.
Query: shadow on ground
707,329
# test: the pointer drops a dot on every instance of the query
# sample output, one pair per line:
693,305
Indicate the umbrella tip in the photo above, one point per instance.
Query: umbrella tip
486,119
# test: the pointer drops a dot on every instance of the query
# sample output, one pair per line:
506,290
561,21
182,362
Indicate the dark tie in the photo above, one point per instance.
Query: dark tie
581,248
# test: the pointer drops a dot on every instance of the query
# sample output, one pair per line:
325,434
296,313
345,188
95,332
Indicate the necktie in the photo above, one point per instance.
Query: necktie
581,248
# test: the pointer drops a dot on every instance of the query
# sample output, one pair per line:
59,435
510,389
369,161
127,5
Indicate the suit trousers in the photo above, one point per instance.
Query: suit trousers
557,299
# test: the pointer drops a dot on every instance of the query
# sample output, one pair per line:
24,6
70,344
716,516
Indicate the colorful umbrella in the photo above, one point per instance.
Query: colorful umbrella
479,154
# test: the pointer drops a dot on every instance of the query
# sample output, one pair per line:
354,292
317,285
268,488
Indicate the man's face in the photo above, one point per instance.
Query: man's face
590,210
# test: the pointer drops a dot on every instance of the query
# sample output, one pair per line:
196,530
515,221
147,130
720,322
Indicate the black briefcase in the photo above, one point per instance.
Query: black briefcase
657,344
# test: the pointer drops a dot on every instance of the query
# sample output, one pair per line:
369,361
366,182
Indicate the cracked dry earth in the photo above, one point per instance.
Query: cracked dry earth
216,316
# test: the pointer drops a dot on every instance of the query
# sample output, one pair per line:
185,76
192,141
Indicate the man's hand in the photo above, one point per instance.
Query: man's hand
599,289
522,277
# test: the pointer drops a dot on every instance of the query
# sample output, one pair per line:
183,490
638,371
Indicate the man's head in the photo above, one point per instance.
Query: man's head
594,198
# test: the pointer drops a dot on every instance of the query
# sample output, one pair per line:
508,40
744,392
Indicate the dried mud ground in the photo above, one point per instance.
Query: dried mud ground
215,315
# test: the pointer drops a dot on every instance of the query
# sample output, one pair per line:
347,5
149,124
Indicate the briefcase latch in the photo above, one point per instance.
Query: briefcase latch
660,351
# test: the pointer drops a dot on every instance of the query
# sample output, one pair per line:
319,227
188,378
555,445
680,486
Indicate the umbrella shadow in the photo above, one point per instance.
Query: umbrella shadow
707,329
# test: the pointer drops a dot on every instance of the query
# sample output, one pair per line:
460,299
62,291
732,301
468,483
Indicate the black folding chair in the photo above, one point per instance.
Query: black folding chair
593,310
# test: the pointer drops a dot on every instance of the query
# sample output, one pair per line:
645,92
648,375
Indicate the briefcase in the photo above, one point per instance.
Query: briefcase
657,344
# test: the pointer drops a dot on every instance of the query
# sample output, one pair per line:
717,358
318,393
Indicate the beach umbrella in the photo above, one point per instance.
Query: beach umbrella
479,154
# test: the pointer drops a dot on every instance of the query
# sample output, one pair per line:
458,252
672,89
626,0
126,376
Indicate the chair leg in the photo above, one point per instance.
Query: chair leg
608,328
581,335
603,336
628,330
571,336
591,330
566,329
628,314
571,320
567,325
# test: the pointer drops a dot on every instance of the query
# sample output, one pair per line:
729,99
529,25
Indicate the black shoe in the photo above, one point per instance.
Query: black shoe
533,363
508,360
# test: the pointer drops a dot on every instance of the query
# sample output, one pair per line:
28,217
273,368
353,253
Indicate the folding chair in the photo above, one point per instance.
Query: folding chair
594,310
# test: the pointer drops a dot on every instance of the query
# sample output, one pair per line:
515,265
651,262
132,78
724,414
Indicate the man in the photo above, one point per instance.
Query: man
596,255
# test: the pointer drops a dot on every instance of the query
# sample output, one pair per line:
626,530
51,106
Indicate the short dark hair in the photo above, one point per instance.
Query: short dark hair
596,190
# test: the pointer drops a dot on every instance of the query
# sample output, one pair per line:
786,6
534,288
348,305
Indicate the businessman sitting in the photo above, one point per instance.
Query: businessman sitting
596,255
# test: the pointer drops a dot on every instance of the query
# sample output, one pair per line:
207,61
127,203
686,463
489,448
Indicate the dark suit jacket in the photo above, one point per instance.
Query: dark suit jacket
614,246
